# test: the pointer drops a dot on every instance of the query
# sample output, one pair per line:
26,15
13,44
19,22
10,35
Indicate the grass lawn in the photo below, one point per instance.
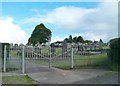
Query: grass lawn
13,53
79,61
91,61
23,79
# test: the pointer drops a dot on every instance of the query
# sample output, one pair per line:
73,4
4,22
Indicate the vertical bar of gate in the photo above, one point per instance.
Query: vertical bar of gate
4,65
23,60
72,64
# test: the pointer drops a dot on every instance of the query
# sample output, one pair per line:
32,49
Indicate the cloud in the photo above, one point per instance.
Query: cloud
100,21
57,38
10,32
94,36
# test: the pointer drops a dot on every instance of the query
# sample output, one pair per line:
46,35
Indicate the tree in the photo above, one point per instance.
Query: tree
70,39
95,41
40,35
80,39
66,39
75,39
101,41
88,41
100,44
114,53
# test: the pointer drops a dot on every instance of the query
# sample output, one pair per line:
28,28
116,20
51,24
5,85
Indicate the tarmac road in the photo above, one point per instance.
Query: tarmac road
46,75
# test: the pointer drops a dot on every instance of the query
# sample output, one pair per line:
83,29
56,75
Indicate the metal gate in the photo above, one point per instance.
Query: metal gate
23,59
14,60
49,56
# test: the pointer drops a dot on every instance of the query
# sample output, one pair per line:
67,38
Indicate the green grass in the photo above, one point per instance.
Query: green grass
58,51
91,61
80,61
13,53
23,79
45,50
115,67
13,66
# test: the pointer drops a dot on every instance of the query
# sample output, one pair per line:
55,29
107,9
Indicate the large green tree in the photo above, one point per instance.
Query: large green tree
40,34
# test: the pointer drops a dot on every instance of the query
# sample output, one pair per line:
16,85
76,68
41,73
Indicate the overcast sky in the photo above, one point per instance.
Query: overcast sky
91,20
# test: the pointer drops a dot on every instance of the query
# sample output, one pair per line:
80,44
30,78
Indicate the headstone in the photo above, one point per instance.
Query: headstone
37,51
64,49
80,48
52,49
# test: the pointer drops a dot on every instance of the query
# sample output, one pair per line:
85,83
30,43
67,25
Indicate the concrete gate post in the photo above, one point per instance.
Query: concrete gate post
72,63
4,65
23,60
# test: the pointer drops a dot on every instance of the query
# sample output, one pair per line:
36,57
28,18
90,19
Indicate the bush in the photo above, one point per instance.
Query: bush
114,52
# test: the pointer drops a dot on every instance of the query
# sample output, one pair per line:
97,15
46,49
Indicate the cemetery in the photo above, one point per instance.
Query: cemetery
21,58
56,56
29,59
39,59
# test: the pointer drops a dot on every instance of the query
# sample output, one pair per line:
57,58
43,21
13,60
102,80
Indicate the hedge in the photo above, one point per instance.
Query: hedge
114,52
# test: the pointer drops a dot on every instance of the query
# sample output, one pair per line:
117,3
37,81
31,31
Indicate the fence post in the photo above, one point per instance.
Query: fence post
4,65
23,60
50,58
72,64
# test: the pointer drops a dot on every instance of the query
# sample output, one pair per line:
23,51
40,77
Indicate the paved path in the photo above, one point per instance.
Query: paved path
44,75
109,78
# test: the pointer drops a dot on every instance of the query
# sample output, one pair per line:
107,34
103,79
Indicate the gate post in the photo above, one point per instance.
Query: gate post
4,65
50,58
72,64
23,60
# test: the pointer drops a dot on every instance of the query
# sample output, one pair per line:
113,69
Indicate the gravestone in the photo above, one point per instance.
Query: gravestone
64,49
80,48
52,49
37,51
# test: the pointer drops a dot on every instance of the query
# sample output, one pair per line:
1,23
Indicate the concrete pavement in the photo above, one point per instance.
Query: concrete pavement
44,75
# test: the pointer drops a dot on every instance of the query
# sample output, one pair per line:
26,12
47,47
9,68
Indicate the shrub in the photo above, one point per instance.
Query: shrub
114,52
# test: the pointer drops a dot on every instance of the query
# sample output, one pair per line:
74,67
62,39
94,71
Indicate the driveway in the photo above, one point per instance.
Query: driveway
46,75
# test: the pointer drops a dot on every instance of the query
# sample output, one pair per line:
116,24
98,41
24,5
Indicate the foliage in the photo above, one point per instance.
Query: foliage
70,40
40,35
74,40
100,41
79,39
114,67
88,41
18,80
113,53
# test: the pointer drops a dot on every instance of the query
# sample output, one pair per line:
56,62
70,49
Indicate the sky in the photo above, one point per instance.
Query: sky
91,20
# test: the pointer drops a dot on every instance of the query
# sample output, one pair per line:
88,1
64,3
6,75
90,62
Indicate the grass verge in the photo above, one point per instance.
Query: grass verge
23,79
